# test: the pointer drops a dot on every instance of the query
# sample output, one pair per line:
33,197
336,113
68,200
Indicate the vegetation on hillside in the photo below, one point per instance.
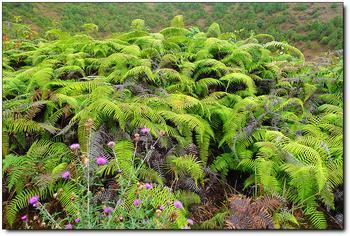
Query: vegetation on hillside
318,25
178,129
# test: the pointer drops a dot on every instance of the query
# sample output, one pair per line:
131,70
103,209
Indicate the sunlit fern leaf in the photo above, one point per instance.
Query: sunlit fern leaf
186,165
216,222
188,198
40,78
124,150
189,121
205,83
118,60
149,175
240,57
132,50
30,126
223,163
67,70
167,73
110,109
302,153
173,31
264,38
286,48
284,219
182,102
140,73
316,217
329,108
67,192
239,78
15,166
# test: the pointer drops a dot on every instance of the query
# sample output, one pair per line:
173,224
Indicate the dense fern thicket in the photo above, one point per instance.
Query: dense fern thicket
318,25
179,129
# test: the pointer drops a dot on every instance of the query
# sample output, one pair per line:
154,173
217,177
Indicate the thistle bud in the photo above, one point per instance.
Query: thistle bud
158,212
89,123
84,160
173,216
141,186
136,137
121,218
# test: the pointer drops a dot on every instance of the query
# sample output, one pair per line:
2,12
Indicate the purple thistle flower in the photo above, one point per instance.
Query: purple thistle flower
111,144
74,146
34,200
178,204
161,208
190,221
148,186
24,218
137,202
66,175
77,220
107,210
101,160
68,226
145,130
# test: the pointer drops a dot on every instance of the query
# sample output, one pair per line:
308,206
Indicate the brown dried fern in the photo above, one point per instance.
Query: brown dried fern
251,214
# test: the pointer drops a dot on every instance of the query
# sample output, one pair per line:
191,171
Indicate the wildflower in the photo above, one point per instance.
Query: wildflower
77,220
145,130
111,144
66,175
190,221
161,208
137,202
101,160
34,200
107,210
178,204
74,146
68,226
24,218
148,186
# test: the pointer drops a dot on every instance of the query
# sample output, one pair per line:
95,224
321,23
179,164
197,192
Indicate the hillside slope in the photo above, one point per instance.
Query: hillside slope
313,27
